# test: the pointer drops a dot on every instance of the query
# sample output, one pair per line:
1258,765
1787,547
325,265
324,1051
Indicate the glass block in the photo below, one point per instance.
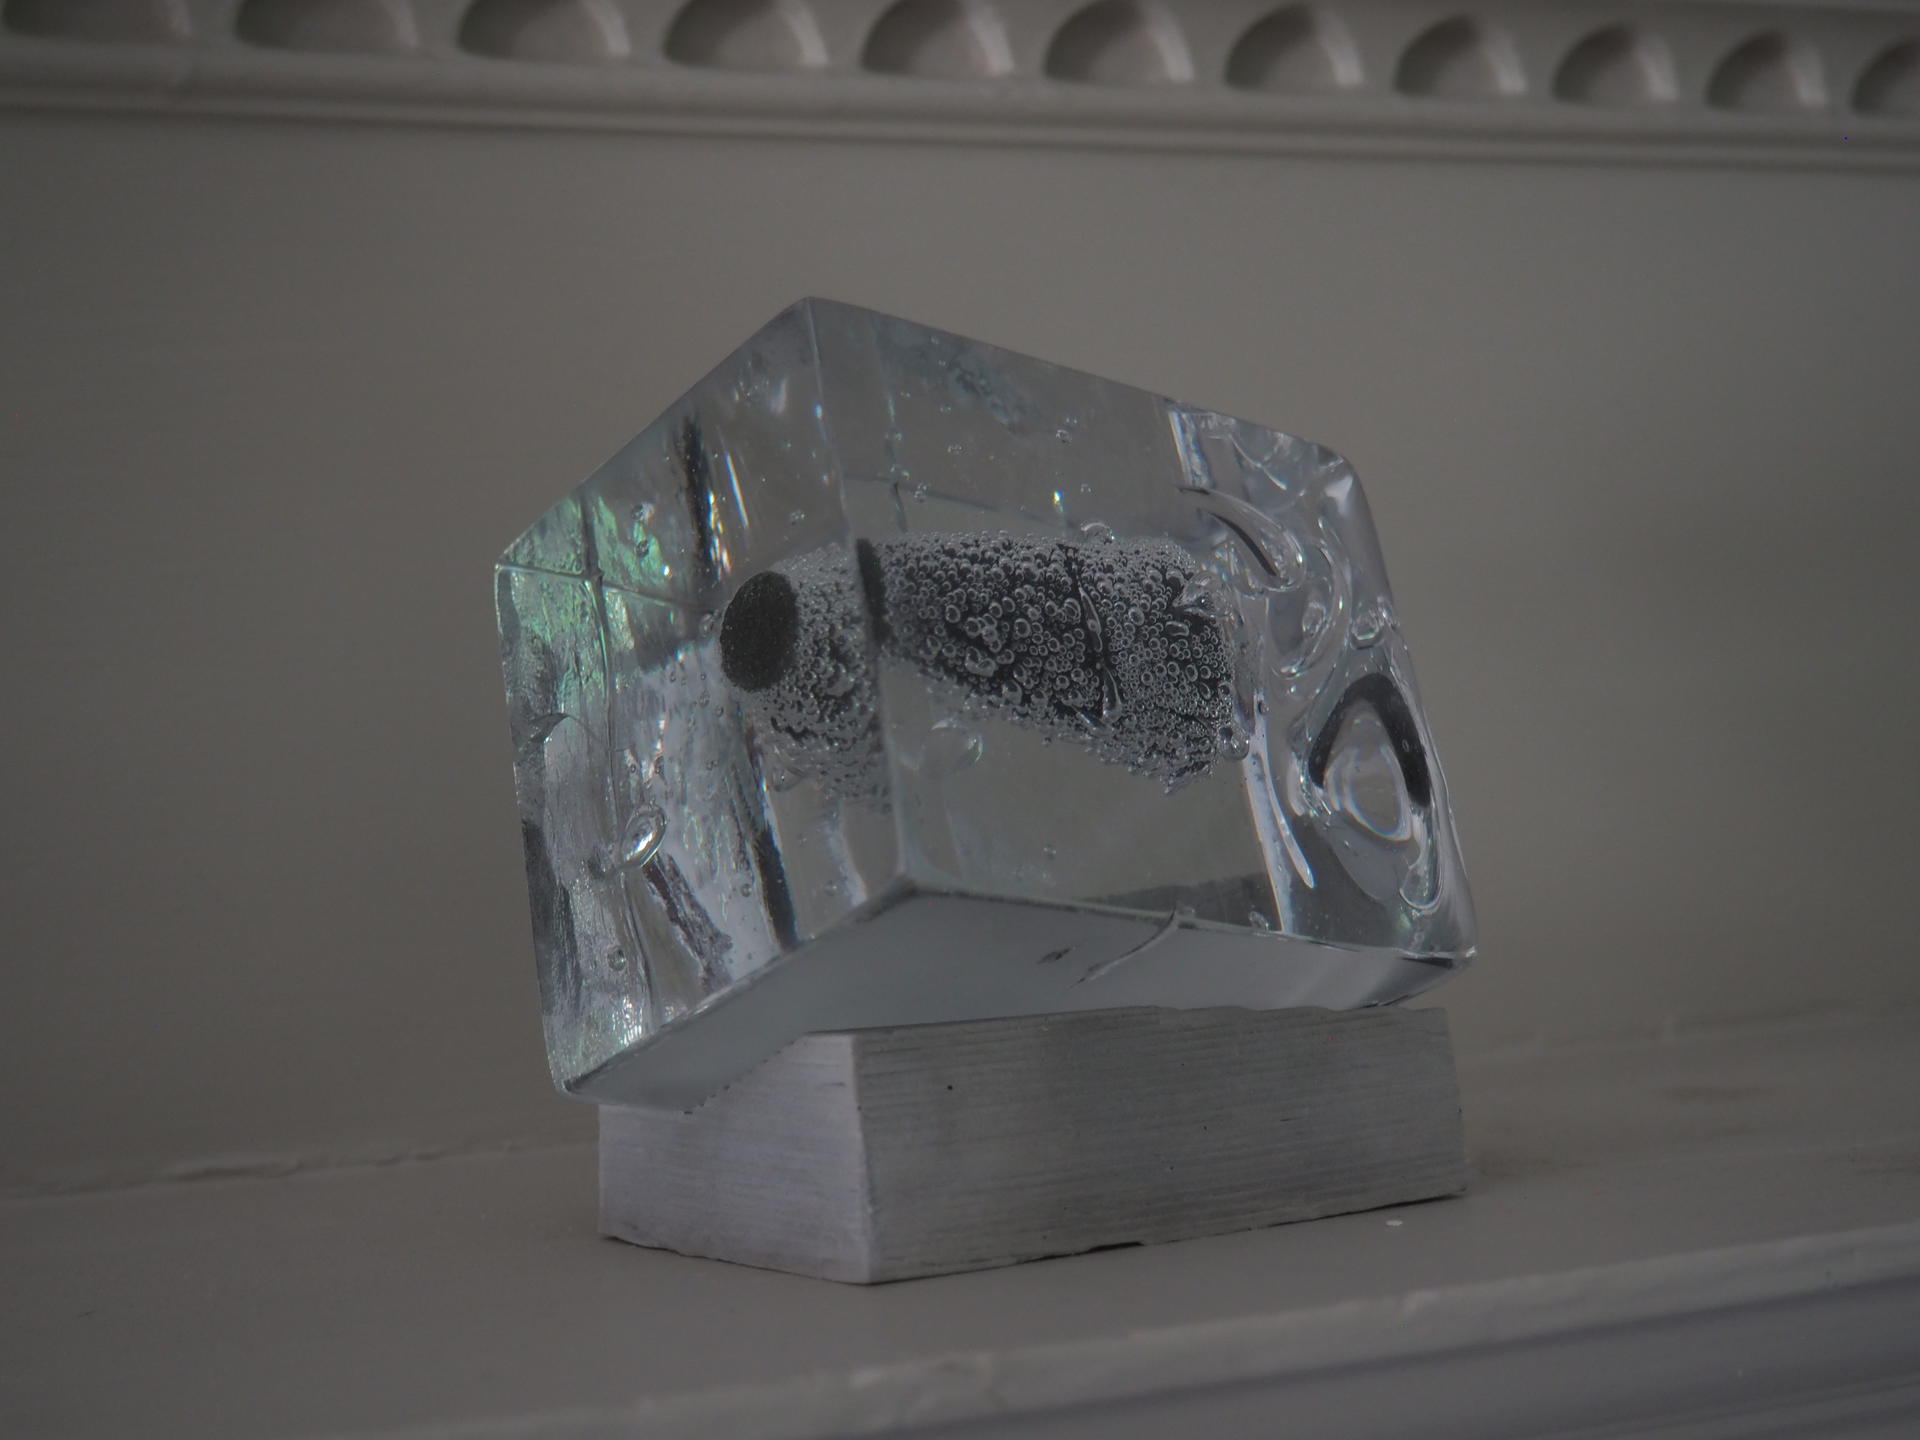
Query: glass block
891,677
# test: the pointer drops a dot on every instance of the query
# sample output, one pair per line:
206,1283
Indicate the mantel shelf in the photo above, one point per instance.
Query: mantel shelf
1742,1202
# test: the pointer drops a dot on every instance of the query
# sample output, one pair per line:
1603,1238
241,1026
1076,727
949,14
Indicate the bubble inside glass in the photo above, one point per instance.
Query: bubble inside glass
892,678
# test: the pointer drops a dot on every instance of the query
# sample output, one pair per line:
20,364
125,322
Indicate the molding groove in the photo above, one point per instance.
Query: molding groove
1755,83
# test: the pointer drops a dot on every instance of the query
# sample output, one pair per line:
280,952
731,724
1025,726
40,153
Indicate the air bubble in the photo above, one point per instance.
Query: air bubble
1098,532
1267,557
1233,742
1370,622
1201,596
794,517
639,842
1258,921
951,747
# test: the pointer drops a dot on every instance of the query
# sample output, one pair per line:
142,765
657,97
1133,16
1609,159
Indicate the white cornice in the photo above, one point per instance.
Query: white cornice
1803,84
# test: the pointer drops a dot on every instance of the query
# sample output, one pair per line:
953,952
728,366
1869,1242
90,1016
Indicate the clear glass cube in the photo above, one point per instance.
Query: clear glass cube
893,678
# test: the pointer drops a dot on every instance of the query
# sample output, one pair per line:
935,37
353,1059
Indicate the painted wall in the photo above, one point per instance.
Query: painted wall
1640,440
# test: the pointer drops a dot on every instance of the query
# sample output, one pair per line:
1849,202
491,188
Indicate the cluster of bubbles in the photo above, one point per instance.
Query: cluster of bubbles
1002,618
818,717
1114,644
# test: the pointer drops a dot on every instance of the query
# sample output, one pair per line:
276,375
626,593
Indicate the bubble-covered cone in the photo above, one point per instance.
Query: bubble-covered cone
893,678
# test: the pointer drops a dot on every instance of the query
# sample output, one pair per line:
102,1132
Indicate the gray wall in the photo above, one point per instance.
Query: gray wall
1641,442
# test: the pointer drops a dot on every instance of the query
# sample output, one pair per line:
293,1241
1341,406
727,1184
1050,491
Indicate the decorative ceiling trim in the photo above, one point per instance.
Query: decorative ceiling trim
1763,83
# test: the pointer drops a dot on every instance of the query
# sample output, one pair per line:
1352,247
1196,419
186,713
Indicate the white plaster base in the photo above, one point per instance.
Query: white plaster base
882,1154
